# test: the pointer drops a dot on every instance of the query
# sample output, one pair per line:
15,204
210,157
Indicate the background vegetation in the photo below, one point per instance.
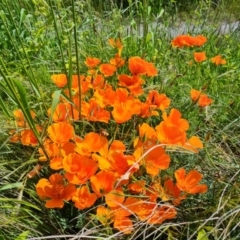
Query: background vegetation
37,39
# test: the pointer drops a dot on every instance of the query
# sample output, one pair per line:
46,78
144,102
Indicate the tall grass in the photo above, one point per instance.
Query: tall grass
39,38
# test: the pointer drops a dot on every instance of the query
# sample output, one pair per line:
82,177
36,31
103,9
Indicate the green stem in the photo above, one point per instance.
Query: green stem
77,59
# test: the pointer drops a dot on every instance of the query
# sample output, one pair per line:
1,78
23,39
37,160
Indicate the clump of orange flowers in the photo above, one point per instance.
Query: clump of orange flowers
200,98
102,171
188,41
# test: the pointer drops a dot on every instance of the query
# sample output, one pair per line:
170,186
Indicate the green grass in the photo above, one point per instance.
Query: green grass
33,46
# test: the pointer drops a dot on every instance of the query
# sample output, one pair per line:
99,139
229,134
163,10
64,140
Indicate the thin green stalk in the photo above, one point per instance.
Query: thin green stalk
77,59
69,84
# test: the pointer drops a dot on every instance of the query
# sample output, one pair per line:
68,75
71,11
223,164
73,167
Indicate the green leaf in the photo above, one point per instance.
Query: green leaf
202,235
55,101
161,13
11,185
22,236
149,37
16,201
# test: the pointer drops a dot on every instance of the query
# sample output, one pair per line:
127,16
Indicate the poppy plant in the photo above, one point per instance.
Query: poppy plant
108,158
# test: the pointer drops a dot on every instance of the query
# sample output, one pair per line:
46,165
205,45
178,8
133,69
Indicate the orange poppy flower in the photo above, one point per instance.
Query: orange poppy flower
161,101
104,215
28,138
117,44
137,187
60,80
95,113
52,150
92,143
107,69
97,81
156,160
107,161
170,134
147,110
83,199
125,106
200,40
195,94
218,60
174,119
190,183
188,41
172,192
123,113
138,66
56,190
103,182
123,163
121,214
182,41
14,136
160,214
105,97
173,129
123,224
92,62
78,168
60,132
115,198
132,83
151,212
151,70
56,163
199,56
146,132
117,61
20,119
193,144
60,114
204,101
85,85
